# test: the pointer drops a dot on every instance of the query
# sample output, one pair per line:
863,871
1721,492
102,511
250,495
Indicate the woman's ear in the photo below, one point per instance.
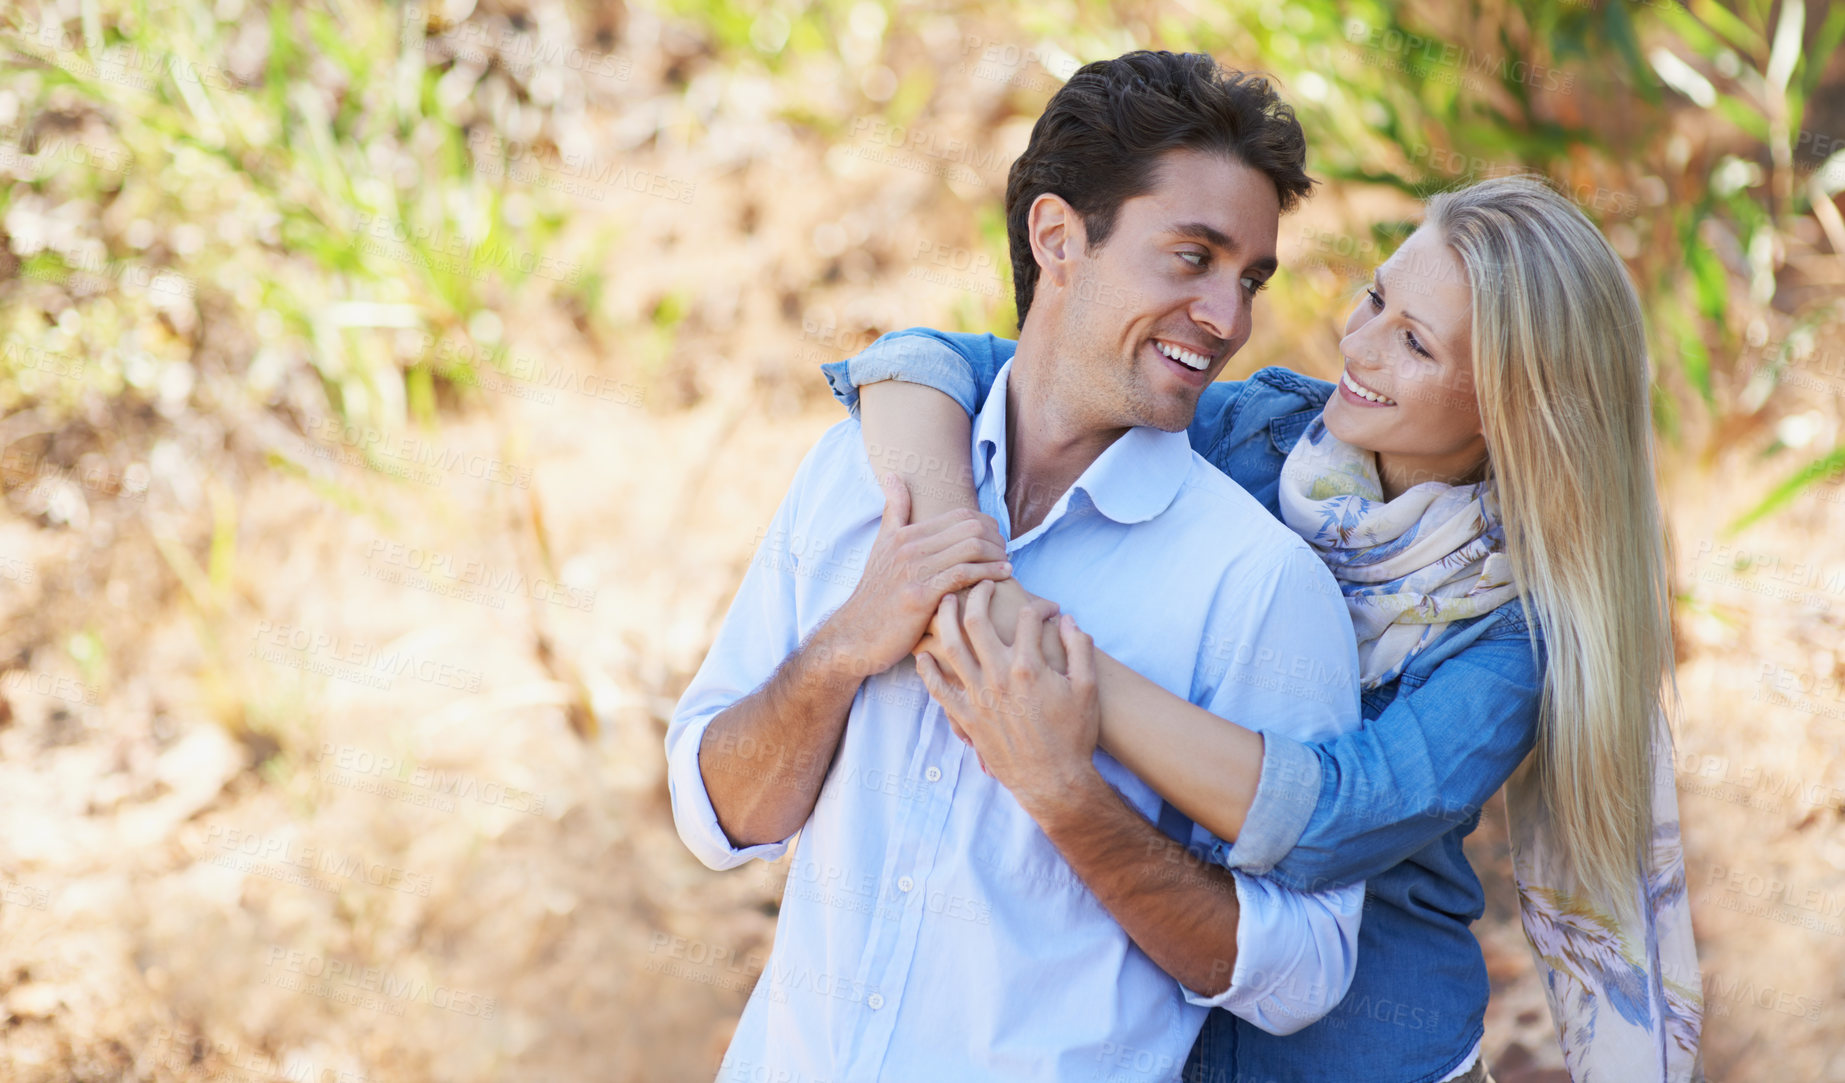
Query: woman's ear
1057,237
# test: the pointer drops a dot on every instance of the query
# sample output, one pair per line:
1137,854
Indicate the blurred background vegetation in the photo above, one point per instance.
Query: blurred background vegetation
267,269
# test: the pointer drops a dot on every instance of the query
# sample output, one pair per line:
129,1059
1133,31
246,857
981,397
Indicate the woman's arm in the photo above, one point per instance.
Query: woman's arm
915,421
1329,813
924,437
1207,767
1407,777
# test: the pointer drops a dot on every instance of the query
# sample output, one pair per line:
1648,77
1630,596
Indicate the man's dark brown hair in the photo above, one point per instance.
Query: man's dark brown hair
1100,140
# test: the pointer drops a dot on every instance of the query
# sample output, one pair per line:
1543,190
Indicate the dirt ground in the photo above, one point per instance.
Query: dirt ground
374,790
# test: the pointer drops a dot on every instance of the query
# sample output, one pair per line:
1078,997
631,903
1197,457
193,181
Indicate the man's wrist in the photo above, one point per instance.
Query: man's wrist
832,661
1071,803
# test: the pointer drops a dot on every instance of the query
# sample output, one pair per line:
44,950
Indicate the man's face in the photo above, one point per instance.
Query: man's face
1150,318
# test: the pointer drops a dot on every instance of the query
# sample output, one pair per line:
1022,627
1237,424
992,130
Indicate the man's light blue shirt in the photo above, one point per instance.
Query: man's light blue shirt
928,928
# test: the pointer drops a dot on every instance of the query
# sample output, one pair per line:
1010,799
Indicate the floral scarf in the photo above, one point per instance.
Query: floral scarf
1624,992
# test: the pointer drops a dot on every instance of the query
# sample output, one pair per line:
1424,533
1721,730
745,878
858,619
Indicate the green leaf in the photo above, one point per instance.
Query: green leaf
1819,55
1822,469
1744,116
1738,33
1620,31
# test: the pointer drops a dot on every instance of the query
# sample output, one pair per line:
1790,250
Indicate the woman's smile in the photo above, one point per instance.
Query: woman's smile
1358,394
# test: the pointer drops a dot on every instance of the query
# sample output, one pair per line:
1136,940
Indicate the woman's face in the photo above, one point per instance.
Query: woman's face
1407,389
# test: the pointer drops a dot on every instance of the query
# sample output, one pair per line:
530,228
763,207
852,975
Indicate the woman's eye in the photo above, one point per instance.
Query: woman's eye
1255,285
1410,337
1377,299
1196,259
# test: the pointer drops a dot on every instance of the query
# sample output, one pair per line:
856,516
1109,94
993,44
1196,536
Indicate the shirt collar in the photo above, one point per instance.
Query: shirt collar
1134,479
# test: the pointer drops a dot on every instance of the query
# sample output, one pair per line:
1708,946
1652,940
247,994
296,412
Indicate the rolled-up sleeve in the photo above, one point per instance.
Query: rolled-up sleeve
1285,663
759,632
1295,954
1378,794
960,366
1287,793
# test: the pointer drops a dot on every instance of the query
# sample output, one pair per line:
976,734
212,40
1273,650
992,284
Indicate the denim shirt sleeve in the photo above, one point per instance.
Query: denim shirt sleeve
960,366
963,367
1346,809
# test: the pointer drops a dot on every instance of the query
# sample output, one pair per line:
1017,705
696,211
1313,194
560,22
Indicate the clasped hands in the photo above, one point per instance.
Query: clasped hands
1033,728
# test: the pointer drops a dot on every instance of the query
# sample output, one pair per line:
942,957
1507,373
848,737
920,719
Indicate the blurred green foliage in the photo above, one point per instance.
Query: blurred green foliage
260,192
215,199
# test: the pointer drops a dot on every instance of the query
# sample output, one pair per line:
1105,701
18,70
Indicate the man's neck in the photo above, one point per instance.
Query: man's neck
1050,438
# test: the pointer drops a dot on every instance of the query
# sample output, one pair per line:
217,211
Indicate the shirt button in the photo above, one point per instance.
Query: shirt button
904,883
874,1002
933,774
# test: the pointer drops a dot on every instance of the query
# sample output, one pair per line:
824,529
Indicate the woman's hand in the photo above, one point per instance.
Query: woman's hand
1034,729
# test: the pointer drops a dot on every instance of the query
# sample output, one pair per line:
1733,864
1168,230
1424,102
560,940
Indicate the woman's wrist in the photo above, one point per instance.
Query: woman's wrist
1010,596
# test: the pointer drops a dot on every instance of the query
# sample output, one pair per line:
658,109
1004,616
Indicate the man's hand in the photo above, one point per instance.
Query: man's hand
910,569
1034,729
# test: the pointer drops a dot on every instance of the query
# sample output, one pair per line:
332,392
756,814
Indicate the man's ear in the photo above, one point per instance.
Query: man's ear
1057,238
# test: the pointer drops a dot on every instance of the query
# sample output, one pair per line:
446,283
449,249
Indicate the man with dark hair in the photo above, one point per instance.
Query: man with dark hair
943,923
1101,138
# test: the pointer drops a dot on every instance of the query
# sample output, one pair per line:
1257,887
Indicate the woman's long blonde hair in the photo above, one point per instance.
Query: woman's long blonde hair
1560,369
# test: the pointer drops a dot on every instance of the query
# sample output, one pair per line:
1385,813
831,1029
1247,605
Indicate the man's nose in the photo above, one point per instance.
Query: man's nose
1224,313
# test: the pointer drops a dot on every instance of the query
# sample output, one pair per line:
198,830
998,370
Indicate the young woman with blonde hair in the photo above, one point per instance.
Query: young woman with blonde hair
1480,483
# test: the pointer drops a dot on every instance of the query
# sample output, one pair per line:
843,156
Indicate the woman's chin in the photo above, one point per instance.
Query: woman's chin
1341,424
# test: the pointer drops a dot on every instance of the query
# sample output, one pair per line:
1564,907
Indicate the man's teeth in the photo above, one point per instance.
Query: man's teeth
1183,356
1362,393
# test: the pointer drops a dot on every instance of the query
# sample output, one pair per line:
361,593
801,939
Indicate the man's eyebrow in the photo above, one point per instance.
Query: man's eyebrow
1217,238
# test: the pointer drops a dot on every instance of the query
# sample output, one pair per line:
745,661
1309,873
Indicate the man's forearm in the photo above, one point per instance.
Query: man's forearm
1182,911
764,758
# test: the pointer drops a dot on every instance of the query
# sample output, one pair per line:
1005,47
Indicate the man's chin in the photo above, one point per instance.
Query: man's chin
1173,414
1169,410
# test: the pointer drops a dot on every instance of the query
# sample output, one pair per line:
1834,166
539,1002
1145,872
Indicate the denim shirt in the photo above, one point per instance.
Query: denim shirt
1388,803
